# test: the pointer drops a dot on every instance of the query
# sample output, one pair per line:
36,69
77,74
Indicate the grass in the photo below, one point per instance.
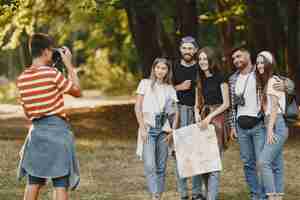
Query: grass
106,141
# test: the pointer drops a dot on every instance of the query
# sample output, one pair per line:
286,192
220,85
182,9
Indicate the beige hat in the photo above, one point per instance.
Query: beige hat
267,55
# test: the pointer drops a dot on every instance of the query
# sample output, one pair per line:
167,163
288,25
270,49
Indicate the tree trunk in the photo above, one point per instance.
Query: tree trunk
186,19
149,35
226,35
293,43
275,34
256,27
144,27
266,30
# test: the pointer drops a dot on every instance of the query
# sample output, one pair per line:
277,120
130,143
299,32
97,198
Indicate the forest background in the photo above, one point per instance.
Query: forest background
115,41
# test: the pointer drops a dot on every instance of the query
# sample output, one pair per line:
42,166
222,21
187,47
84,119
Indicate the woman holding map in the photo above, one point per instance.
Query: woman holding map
212,100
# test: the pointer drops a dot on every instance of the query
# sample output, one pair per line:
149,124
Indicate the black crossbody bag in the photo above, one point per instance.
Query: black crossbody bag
248,122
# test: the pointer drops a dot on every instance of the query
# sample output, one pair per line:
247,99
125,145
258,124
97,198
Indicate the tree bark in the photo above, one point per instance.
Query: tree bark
149,35
226,35
293,43
266,29
143,25
186,20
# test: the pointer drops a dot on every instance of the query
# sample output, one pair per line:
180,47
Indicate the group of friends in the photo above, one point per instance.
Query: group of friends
247,106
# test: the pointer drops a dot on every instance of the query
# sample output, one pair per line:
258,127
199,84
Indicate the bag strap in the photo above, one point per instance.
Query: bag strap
161,108
246,83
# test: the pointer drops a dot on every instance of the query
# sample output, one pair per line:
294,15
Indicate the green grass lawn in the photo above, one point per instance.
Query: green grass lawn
109,169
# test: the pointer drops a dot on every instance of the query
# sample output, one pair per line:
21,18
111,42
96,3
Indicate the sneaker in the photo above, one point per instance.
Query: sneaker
198,197
155,196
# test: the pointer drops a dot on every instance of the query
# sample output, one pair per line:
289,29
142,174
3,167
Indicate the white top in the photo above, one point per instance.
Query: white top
158,97
279,94
252,106
155,99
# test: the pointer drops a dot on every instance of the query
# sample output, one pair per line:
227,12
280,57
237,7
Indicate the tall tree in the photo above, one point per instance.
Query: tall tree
144,25
293,43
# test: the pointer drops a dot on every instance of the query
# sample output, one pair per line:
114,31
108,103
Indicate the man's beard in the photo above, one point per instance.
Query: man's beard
188,58
242,66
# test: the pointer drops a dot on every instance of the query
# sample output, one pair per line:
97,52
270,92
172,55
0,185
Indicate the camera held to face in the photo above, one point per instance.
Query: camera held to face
239,100
57,60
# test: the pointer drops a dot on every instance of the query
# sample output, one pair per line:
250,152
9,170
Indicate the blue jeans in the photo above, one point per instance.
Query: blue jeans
186,118
183,186
251,142
212,181
155,154
271,159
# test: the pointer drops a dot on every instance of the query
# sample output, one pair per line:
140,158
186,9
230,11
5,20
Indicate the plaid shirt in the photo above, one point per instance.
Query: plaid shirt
233,109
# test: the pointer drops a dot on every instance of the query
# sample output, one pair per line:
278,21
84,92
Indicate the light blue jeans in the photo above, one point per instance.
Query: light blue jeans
183,186
187,117
271,159
212,181
155,155
251,142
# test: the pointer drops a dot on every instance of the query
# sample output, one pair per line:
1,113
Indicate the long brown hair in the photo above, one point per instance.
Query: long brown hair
262,79
168,78
213,66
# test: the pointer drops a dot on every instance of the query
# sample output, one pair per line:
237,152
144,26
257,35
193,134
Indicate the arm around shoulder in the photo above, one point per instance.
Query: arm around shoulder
290,86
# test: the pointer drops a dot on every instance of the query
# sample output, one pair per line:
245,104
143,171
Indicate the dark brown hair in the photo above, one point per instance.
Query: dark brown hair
38,42
212,57
262,79
213,66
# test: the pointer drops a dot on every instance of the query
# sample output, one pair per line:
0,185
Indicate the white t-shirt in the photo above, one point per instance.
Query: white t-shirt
252,106
154,100
279,94
158,97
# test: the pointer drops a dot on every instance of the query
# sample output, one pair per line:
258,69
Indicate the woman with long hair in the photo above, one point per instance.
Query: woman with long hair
157,115
212,101
270,162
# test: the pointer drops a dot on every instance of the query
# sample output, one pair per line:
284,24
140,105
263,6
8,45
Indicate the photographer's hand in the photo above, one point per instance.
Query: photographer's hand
66,56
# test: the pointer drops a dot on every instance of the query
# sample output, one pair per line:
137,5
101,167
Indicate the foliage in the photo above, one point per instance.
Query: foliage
8,93
84,25
101,74
121,28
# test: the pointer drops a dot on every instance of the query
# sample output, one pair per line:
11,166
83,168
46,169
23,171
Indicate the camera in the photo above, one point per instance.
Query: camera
57,60
160,119
239,100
